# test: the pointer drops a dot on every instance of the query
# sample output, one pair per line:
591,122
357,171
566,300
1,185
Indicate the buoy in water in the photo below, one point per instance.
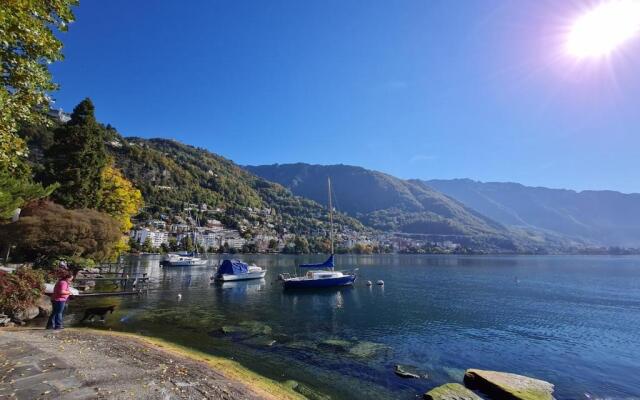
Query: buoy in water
369,283
380,282
179,296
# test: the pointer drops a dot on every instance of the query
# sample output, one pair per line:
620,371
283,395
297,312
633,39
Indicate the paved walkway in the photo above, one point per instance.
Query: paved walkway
77,364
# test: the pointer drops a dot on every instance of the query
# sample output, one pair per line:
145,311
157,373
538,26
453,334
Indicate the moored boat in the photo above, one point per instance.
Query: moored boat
322,275
177,260
236,270
319,278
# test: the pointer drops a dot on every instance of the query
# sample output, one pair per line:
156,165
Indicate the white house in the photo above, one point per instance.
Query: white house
156,237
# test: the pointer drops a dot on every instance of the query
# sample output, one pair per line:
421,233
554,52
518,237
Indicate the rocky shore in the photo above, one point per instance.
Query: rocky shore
90,364
493,385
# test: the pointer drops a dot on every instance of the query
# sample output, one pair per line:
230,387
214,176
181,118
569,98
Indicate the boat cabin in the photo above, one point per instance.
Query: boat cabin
323,274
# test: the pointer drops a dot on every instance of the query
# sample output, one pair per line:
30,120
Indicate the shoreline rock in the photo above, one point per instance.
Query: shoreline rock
451,391
508,386
29,313
403,373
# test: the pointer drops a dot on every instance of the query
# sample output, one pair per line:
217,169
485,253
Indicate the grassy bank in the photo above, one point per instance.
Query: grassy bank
232,370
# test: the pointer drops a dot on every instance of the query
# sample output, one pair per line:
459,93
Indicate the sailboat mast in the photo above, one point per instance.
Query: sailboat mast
330,215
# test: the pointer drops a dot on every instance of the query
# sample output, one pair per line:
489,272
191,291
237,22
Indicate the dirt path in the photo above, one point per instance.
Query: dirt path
86,364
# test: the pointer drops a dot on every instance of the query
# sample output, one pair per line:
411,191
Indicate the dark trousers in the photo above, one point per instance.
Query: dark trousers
55,319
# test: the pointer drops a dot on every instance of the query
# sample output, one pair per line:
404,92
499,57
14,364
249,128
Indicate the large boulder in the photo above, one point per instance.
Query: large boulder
506,386
44,306
26,314
451,391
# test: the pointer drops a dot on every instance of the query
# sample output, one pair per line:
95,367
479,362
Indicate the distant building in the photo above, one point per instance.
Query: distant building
156,237
214,224
235,243
159,224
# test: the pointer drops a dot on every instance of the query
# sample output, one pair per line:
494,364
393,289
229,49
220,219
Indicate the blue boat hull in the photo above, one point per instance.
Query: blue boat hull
320,283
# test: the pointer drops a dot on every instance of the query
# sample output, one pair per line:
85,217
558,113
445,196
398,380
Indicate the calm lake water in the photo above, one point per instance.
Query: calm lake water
573,321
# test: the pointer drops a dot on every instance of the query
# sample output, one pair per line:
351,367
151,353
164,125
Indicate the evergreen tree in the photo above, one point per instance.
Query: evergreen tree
15,193
77,158
147,246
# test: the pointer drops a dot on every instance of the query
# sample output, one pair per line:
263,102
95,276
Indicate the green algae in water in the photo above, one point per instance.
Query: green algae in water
306,391
339,345
260,341
366,349
302,345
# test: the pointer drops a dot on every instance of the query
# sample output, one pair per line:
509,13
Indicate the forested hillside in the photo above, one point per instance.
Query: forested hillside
172,176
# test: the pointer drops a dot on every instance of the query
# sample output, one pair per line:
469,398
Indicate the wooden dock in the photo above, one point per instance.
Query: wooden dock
106,294
128,283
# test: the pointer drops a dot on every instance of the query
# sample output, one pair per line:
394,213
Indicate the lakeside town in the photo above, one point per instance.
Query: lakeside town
182,232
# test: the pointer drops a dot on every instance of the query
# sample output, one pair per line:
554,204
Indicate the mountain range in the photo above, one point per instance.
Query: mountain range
528,216
600,217
493,217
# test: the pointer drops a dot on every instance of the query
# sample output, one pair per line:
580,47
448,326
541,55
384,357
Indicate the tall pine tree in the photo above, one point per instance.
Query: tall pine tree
77,158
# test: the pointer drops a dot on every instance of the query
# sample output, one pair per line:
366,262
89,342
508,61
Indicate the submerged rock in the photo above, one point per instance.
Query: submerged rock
261,341
245,329
302,345
403,372
503,385
367,349
451,391
306,391
256,327
196,319
230,329
336,345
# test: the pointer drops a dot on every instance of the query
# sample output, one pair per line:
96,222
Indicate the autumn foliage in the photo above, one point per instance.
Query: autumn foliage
47,229
21,289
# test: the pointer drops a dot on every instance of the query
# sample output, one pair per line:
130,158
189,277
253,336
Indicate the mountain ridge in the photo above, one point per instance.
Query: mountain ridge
391,204
605,217
558,215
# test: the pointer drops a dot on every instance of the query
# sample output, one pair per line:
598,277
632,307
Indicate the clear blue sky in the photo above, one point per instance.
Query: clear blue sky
417,89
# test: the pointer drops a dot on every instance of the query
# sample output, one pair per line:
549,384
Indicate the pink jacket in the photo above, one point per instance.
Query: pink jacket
60,287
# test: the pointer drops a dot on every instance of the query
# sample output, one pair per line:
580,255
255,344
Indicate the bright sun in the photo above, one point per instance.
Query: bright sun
603,29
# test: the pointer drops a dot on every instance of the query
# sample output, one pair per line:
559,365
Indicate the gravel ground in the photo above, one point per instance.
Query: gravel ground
86,364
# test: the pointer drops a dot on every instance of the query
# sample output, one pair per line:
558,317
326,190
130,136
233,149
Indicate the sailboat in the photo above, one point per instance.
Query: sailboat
320,275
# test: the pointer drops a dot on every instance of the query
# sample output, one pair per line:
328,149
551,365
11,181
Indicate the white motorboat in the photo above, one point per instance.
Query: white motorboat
235,270
177,260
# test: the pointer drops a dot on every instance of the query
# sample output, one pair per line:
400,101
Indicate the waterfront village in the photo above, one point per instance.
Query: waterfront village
258,234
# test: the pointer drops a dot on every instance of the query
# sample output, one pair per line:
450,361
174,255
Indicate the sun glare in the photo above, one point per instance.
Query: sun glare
603,29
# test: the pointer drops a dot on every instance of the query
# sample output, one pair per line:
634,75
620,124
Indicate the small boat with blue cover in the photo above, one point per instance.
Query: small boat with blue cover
236,270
